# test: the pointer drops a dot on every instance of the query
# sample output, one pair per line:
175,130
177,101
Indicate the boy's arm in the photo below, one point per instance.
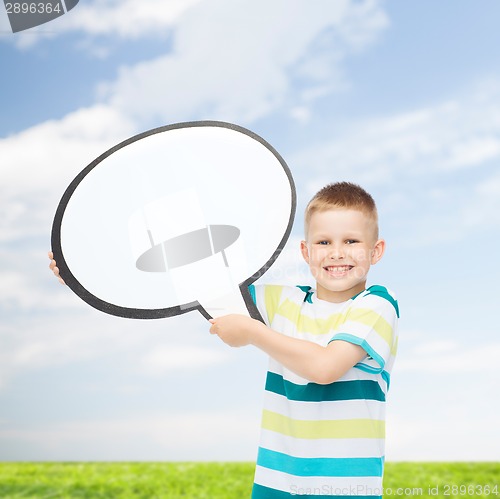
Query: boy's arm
313,362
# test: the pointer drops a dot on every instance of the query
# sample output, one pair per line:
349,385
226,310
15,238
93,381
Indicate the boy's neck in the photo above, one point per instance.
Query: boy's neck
339,296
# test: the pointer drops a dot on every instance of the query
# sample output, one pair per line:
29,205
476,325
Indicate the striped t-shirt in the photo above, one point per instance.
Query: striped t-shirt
326,440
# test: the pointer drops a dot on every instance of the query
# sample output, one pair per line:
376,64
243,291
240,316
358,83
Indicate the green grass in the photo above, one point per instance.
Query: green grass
448,480
221,480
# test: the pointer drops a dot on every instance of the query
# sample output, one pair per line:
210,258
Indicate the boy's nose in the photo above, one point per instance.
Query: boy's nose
336,253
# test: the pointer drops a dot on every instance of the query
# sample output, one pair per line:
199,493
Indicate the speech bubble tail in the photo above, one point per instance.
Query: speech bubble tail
232,303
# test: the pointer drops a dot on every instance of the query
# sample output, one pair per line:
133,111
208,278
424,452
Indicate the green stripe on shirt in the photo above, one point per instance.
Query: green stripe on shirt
320,466
321,492
313,392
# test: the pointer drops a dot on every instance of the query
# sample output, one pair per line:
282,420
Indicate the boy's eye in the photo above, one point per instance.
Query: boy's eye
351,241
323,242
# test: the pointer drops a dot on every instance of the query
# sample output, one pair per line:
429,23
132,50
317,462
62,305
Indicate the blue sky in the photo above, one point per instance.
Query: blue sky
402,97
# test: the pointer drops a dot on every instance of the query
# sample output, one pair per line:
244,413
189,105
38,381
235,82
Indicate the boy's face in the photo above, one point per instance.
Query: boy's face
341,246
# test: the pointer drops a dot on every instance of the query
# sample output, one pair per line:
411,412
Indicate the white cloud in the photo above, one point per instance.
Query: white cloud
82,334
435,140
26,291
208,435
168,358
440,406
435,434
39,155
473,151
241,60
483,207
231,60
447,357
125,19
432,169
434,347
301,114
39,163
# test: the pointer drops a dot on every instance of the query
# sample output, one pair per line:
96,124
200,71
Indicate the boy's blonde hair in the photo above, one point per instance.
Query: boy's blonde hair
344,195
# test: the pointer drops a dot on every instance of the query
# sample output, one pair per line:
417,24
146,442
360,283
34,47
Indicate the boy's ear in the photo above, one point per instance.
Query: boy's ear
378,251
304,251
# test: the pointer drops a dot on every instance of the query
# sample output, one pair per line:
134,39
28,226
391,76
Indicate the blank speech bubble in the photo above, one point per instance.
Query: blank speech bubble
179,218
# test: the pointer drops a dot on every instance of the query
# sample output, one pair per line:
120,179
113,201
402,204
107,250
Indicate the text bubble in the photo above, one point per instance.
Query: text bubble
178,218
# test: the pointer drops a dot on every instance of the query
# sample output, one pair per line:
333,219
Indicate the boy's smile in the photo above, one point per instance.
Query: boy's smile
340,248
338,270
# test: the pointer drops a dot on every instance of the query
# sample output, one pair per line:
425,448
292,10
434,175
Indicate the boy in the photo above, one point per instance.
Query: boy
331,352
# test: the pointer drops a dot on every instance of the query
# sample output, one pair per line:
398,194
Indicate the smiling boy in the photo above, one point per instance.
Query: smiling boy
331,353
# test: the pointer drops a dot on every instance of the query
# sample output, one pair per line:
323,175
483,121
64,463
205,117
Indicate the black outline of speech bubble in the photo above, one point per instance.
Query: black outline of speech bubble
144,313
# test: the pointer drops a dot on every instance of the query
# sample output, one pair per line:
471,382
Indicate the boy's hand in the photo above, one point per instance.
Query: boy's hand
234,330
53,267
